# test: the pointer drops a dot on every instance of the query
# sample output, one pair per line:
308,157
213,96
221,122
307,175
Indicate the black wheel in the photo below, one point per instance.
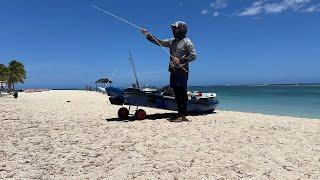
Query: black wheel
123,113
15,94
140,114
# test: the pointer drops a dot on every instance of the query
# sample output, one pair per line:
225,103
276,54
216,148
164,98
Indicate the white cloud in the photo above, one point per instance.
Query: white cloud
273,7
205,11
285,5
219,4
214,6
312,9
255,9
259,7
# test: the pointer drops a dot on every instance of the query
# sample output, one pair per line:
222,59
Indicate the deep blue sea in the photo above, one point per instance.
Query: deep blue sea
289,100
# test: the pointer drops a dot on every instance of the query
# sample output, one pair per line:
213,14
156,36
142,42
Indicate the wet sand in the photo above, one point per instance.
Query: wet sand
45,137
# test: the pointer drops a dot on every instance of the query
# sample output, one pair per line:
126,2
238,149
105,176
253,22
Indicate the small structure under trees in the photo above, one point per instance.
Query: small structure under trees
3,86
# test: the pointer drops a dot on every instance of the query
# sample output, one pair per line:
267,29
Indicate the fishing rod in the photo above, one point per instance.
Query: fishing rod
121,19
137,27
134,69
113,73
110,79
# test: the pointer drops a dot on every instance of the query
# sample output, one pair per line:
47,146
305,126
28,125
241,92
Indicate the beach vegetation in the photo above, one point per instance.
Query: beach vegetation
13,73
3,72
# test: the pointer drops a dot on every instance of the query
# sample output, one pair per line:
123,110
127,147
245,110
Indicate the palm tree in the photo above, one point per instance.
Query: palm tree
16,74
3,73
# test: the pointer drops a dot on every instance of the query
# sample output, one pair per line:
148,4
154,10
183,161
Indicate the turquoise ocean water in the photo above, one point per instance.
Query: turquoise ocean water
289,100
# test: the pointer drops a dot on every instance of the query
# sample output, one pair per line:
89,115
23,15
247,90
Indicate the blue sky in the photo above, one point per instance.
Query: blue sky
70,44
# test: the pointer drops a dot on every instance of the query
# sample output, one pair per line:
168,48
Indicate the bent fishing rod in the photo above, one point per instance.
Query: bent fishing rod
137,27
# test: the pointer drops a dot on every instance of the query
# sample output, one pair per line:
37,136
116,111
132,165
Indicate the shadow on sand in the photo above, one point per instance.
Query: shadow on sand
167,116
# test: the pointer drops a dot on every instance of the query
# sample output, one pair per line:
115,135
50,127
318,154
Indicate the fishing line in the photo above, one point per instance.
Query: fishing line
121,19
110,79
135,26
114,72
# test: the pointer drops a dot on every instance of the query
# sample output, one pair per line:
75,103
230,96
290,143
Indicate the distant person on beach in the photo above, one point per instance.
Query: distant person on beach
182,52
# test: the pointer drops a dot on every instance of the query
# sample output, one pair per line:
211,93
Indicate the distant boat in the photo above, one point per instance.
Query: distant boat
261,85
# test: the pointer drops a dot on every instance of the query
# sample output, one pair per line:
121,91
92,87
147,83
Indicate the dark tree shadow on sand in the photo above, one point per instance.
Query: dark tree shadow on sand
157,116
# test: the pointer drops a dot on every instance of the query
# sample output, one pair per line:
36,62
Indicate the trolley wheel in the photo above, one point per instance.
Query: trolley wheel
123,113
140,114
15,94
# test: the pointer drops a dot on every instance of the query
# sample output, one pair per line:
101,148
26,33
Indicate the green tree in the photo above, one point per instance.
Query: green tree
16,74
3,73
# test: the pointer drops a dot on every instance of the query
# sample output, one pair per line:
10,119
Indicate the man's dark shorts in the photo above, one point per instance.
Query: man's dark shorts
178,78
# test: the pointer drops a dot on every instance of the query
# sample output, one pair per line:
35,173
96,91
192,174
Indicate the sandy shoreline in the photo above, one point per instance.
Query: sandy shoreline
43,136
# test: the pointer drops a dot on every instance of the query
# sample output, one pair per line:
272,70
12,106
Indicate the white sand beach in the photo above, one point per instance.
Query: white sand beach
45,137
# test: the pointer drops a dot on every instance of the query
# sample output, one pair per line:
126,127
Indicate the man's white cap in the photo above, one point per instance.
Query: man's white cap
176,24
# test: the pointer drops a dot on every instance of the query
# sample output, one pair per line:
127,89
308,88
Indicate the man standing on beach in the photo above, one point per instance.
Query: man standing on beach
182,52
